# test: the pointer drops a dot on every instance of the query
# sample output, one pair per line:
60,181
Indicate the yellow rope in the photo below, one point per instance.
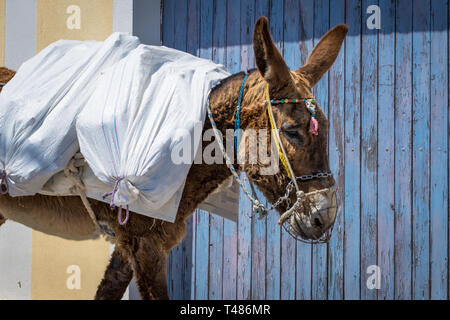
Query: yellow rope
272,124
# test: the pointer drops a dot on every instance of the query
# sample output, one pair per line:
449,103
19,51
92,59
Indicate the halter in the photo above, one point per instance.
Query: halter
258,207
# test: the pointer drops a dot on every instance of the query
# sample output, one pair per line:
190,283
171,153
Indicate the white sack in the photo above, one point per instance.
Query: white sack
140,111
38,108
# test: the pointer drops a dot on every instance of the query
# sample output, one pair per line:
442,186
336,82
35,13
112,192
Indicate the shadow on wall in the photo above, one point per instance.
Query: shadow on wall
371,18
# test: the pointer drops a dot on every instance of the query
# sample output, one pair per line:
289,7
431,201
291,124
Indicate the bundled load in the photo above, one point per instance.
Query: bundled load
131,114
39,106
143,108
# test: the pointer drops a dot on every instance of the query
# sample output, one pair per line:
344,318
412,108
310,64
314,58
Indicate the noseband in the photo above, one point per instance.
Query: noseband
258,207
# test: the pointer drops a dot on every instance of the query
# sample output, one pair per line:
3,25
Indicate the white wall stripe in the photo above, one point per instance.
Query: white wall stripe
15,261
20,37
123,16
16,239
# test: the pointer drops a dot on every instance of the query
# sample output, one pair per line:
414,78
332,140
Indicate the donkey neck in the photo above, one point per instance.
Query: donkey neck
203,178
224,99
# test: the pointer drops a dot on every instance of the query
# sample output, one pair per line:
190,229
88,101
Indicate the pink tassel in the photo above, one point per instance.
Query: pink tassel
314,126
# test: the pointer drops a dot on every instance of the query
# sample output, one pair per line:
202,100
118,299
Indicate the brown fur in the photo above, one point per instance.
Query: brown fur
2,220
5,75
117,277
143,244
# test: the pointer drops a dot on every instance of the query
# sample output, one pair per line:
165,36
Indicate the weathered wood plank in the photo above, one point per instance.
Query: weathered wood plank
193,47
206,28
292,58
386,147
180,35
215,257
168,36
202,233
259,225
247,23
187,272
233,61
304,251
369,151
216,223
245,209
421,149
169,274
202,255
219,32
273,257
229,259
336,157
169,22
352,151
319,258
258,284
193,27
244,259
403,113
178,255
439,158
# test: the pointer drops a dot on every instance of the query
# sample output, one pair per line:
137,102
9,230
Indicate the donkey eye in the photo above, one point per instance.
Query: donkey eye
291,132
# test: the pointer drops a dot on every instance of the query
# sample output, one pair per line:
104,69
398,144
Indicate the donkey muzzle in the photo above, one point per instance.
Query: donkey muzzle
316,216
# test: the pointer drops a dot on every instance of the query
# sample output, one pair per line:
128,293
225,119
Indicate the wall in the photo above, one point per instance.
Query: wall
34,265
2,32
387,101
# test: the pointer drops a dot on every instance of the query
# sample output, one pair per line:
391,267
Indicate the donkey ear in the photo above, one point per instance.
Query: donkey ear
269,61
324,54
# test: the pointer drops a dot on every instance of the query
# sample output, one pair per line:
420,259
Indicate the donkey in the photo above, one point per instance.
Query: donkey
143,244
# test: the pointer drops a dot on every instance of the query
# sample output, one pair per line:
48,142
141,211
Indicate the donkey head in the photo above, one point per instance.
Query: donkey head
306,151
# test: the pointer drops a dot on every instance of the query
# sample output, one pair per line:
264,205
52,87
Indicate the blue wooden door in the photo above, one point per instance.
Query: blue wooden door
387,100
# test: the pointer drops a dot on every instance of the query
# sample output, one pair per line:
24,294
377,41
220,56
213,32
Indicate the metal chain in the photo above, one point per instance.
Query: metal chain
289,187
319,175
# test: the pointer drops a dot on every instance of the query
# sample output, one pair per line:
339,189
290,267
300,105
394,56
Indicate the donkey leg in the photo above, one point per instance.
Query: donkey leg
117,277
148,260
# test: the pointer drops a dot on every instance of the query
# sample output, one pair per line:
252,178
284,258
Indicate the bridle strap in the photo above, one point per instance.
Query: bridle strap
258,207
281,152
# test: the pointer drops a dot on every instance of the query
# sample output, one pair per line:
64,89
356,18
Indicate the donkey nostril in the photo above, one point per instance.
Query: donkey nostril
317,222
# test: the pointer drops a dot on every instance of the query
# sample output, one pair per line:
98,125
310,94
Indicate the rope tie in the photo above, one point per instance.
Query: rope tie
74,172
112,205
4,183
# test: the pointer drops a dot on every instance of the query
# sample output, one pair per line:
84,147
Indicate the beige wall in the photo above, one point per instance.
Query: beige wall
56,261
63,269
2,32
52,20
